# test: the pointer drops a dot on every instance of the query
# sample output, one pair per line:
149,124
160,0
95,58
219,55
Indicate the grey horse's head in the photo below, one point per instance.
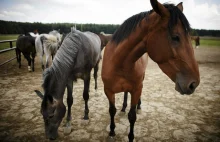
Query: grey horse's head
52,109
53,112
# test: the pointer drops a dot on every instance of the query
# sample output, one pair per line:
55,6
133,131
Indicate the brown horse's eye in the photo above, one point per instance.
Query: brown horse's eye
176,38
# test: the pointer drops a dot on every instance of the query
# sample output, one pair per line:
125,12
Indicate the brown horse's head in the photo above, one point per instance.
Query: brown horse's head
169,45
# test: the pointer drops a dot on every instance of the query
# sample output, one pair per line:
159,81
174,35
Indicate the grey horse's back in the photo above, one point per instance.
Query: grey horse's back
78,52
95,42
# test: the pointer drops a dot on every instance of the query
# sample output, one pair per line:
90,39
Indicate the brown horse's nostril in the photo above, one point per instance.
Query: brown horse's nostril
192,86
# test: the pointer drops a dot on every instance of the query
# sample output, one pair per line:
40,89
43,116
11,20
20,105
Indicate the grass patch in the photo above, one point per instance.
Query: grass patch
7,44
210,42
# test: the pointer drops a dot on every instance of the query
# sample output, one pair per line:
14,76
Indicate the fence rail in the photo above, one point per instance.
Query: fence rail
8,49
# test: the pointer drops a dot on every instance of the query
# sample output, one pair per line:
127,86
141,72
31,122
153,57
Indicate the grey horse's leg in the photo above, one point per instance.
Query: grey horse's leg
69,99
67,129
86,94
96,68
125,101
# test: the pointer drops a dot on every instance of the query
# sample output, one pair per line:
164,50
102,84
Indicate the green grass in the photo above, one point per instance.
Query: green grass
203,41
7,44
210,42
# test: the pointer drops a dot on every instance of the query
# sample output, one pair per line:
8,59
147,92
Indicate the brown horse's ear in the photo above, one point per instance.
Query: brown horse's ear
180,6
159,8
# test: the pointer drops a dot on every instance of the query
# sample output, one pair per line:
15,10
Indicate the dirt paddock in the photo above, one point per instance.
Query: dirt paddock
166,115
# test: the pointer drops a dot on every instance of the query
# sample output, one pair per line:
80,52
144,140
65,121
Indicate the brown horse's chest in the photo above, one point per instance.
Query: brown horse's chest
118,75
122,79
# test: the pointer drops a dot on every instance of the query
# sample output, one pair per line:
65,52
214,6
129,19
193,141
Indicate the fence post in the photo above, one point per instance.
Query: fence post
10,44
8,49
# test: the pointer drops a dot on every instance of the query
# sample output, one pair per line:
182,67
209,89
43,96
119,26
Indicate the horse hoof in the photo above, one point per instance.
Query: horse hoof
110,139
67,129
139,111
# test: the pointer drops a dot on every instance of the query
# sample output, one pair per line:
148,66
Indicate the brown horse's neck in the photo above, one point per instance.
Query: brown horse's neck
132,48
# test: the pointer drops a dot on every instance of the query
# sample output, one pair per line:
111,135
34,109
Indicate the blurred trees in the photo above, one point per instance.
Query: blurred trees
9,27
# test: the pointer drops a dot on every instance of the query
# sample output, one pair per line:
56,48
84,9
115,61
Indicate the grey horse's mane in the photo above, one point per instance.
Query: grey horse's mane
63,61
66,55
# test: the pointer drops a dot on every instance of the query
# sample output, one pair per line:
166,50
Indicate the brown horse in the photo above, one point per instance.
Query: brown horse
197,41
163,34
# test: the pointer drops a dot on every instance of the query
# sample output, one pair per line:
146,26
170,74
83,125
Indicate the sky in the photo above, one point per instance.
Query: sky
201,14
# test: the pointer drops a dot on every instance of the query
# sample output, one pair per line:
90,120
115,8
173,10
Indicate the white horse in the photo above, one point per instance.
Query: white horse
33,34
46,44
56,34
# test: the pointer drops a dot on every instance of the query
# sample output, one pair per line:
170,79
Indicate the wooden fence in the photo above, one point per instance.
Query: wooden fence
8,49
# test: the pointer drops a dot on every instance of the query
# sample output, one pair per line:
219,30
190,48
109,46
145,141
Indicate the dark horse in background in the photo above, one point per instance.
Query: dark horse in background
26,45
78,54
197,41
163,35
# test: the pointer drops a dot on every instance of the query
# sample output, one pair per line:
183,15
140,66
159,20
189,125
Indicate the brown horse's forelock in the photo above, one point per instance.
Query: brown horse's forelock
131,23
176,14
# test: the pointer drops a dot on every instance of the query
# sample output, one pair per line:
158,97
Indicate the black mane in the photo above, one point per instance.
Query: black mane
127,27
131,23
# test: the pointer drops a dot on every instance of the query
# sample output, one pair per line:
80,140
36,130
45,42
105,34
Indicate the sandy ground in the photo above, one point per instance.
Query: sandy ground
166,115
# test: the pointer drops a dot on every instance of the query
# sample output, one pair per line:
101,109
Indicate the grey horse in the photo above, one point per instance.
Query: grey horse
78,54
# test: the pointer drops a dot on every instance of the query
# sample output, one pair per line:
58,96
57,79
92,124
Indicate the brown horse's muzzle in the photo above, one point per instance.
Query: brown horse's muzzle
186,80
185,85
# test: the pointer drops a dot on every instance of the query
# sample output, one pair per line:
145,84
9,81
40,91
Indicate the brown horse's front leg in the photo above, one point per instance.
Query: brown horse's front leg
132,119
135,98
112,111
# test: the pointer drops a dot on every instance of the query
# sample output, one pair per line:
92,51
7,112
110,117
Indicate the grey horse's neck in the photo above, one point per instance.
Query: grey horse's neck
64,60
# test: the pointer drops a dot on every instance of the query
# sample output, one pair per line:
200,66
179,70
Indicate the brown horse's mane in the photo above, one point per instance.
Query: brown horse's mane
131,23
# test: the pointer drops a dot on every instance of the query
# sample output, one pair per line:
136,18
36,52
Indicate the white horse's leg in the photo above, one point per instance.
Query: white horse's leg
47,60
42,61
39,48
